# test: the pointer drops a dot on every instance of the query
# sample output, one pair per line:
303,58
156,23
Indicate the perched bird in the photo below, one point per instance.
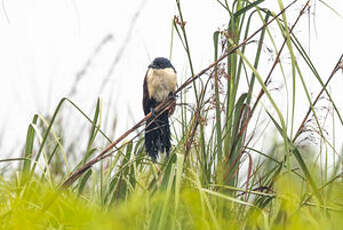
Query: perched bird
159,84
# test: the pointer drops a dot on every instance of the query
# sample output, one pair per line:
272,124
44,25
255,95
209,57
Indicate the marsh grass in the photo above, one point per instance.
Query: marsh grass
219,174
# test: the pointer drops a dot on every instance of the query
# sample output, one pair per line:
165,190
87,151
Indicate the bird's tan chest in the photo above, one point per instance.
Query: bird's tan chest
160,83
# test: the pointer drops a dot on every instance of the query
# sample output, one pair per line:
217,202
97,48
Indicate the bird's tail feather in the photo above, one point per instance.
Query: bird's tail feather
157,135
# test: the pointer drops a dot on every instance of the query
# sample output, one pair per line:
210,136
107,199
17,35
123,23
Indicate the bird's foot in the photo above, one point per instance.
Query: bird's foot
172,96
153,113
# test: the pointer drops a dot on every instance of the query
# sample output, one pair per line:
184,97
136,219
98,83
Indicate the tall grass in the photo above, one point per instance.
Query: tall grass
219,175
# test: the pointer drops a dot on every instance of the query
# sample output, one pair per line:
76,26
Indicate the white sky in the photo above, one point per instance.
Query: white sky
44,43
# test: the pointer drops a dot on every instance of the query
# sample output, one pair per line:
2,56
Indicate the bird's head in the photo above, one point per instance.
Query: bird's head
161,63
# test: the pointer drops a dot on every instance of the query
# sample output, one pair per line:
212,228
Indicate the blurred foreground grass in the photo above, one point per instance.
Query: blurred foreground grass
37,205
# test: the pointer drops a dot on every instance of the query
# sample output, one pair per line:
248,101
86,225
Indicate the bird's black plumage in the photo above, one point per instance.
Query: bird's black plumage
161,63
157,135
159,83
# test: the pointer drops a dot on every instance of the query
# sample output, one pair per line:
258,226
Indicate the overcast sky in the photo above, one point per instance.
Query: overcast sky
44,44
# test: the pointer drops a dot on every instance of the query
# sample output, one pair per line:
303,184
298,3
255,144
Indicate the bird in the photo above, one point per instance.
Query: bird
160,83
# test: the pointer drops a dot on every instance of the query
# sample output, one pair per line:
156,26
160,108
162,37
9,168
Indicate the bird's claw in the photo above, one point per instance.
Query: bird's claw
172,96
153,113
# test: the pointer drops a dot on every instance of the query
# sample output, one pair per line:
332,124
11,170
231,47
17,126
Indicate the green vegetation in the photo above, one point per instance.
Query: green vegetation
223,172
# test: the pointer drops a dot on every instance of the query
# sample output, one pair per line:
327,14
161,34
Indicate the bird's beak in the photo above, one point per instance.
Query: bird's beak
152,66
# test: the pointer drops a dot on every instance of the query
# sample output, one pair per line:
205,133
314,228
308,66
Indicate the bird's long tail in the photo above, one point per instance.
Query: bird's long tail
157,135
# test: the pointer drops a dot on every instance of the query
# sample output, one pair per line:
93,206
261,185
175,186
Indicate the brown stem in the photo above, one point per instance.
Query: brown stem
337,67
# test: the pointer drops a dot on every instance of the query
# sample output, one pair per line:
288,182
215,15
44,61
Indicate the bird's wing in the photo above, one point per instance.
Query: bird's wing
146,98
